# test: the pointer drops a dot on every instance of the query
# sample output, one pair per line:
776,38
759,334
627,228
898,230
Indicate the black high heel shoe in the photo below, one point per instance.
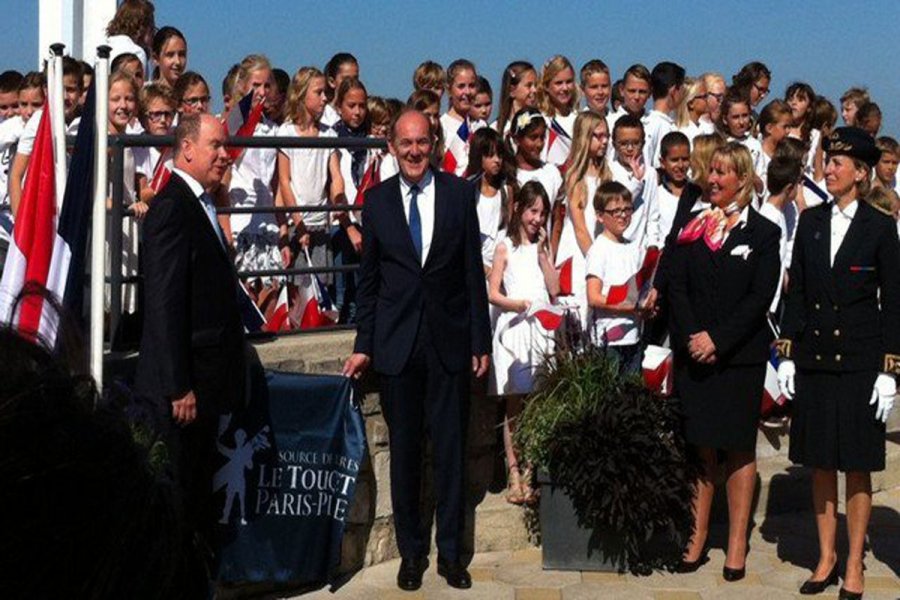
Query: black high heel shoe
729,574
845,595
811,587
691,566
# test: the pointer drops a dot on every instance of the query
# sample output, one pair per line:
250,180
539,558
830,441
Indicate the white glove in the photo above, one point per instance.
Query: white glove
883,394
786,372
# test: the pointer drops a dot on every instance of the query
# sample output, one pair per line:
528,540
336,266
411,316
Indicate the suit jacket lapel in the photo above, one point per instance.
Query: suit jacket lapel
440,216
822,249
858,228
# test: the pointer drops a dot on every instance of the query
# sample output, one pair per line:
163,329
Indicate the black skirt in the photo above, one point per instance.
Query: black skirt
833,425
721,404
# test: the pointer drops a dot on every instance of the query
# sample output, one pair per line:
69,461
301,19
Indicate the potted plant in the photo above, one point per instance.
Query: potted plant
617,480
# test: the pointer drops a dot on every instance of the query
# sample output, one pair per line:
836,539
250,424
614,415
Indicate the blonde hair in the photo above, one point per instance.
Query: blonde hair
883,200
120,75
695,88
296,107
580,157
428,76
250,64
704,146
738,158
710,78
552,68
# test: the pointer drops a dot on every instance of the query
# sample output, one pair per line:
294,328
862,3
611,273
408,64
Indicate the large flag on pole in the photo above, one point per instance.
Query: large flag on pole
29,257
70,252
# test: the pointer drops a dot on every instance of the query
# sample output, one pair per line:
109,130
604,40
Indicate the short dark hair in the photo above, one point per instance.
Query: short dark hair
10,81
73,67
188,128
664,77
483,86
671,140
609,191
867,111
282,80
628,122
782,172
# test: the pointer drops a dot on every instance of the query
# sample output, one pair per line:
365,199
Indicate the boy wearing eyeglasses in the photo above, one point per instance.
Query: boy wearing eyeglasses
157,114
613,262
629,169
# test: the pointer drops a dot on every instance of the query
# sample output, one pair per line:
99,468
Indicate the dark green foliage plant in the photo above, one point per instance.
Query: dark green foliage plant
617,451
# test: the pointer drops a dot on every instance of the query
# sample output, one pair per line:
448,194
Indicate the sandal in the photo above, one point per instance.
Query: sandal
514,492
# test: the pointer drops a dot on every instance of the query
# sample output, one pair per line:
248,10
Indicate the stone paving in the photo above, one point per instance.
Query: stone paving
783,549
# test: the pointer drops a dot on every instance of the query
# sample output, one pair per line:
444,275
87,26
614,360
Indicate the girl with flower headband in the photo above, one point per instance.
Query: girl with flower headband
588,169
518,90
528,134
558,100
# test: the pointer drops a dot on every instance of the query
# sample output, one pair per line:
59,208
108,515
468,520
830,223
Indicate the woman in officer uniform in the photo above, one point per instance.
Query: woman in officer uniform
723,275
840,349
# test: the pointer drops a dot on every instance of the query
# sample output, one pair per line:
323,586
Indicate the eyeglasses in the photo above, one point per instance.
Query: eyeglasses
160,115
718,97
619,212
763,92
630,144
195,100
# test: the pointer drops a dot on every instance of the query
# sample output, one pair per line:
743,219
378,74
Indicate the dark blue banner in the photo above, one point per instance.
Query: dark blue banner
289,464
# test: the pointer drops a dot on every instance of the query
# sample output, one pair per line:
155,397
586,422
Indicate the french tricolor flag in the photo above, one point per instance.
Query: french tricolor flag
313,307
242,120
279,320
549,316
559,143
162,171
772,399
370,179
637,285
457,153
46,253
656,368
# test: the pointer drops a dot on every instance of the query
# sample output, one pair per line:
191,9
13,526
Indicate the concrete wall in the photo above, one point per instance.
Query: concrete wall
493,524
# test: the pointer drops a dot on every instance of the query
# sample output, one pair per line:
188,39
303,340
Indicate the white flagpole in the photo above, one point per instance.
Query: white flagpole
58,122
98,220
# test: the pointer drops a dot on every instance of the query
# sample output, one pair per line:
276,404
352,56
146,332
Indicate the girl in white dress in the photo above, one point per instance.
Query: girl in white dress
518,90
800,97
304,173
123,92
457,125
736,123
490,167
558,100
588,169
252,183
522,274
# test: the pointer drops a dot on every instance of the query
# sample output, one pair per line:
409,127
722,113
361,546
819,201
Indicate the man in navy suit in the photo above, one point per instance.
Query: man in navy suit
422,319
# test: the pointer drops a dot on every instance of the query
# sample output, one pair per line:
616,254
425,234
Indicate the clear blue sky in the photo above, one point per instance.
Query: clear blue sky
831,45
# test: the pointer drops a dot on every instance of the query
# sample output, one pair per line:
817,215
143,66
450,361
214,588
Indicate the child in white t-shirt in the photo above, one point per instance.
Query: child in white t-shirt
675,162
782,179
613,263
629,169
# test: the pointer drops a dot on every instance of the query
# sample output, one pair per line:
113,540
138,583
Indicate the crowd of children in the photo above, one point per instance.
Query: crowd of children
574,198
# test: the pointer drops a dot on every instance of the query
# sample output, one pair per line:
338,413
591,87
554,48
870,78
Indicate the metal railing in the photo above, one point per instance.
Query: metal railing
119,212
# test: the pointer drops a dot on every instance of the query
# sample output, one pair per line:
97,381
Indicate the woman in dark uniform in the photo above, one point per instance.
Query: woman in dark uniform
840,347
722,279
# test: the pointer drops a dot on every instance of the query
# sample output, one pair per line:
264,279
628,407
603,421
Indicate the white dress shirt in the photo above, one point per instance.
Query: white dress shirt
656,125
206,205
425,204
840,223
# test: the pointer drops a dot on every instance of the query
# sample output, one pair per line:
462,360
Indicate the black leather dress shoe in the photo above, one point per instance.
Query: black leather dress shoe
409,578
729,574
811,587
456,575
845,595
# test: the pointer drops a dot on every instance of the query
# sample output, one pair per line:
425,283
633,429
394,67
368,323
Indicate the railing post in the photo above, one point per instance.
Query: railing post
98,219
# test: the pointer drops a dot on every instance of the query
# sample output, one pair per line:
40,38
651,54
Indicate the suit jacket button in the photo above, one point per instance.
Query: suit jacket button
816,332
817,306
835,307
818,357
837,358
837,332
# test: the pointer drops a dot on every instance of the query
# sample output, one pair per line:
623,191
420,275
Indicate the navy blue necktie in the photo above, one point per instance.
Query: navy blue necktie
415,220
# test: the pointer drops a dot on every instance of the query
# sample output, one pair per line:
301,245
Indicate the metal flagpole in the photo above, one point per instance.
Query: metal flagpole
58,121
98,221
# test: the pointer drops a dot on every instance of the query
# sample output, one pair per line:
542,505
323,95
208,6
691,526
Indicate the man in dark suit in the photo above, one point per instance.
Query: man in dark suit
422,320
192,349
